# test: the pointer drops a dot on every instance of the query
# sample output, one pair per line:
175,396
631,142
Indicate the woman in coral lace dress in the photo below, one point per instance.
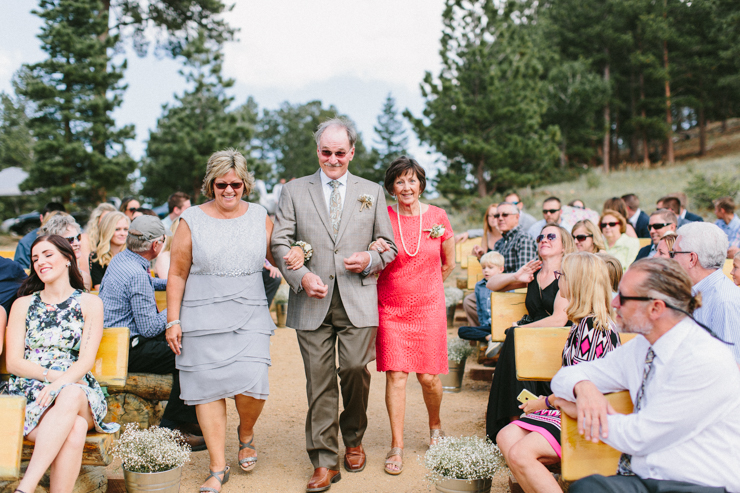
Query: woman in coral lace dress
412,334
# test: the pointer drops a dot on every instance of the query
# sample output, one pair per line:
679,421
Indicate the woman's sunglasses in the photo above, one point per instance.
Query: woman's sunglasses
611,225
549,236
582,237
234,186
72,239
558,275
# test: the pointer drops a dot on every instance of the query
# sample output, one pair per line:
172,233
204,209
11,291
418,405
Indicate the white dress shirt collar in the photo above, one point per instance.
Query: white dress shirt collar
325,179
633,218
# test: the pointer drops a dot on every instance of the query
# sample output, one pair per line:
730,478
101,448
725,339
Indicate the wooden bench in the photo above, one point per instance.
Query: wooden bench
645,242
110,370
539,357
463,250
12,413
161,298
475,271
728,267
506,308
7,254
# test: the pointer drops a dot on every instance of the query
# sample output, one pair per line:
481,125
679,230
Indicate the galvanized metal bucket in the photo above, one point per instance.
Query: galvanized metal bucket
452,382
462,485
159,482
281,310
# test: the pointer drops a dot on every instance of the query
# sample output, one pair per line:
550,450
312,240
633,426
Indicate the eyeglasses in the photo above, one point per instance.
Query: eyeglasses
611,225
549,236
504,214
673,253
338,154
132,209
658,225
558,275
72,239
623,298
234,186
550,211
582,237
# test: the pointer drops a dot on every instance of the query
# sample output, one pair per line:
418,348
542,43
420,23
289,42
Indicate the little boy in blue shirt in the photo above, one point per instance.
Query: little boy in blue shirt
492,263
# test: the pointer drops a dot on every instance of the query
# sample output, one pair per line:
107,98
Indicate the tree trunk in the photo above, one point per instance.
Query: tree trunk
479,175
607,123
563,157
702,131
645,149
615,142
668,114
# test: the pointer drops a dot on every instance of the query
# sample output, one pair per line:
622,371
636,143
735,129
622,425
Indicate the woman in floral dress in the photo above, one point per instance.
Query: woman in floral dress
53,336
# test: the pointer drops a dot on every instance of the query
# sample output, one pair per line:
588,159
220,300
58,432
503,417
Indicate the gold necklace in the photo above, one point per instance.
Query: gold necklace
400,231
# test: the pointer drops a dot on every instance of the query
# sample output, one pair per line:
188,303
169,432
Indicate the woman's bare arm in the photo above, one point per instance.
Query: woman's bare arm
448,257
558,317
181,258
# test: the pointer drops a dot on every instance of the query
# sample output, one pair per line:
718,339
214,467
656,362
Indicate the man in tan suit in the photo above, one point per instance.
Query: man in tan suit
334,301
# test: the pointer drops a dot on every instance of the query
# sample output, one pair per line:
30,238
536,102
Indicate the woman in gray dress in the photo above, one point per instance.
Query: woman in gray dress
219,324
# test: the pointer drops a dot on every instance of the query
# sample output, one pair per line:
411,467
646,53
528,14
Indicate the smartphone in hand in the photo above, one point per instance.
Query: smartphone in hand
525,395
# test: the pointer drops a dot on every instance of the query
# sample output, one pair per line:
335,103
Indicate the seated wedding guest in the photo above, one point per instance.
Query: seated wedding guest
727,221
112,235
177,203
162,263
635,216
588,237
545,308
533,441
614,267
525,220
23,249
129,206
11,277
552,213
665,245
660,222
577,203
127,292
625,248
53,335
735,272
144,211
92,229
617,204
65,226
683,202
700,249
674,205
685,415
492,264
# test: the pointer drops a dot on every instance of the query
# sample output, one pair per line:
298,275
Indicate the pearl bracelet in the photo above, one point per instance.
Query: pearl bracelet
171,324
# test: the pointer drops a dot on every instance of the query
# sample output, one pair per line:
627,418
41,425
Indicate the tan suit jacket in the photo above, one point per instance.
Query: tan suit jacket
303,215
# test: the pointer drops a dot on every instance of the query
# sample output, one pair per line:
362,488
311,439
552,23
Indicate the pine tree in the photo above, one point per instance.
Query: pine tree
392,139
16,140
484,111
198,124
79,153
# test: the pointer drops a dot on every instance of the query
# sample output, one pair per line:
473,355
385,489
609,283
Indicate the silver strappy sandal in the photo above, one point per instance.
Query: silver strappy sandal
225,472
247,463
398,463
435,435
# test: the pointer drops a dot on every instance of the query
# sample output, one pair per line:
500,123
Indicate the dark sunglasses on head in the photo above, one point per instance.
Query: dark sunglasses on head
673,253
503,214
71,239
558,275
234,186
582,237
611,225
550,211
549,236
658,225
338,154
132,209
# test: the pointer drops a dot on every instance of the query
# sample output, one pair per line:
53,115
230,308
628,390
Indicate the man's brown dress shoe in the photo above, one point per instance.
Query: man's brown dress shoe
197,443
354,459
322,479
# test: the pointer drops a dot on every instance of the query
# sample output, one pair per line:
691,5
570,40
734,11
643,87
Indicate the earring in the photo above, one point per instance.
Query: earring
69,264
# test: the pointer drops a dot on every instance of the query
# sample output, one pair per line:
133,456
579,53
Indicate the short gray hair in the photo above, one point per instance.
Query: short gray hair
667,281
707,241
666,215
58,225
138,245
340,122
512,206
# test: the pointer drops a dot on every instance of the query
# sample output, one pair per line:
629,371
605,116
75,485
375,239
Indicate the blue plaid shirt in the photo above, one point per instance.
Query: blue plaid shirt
127,291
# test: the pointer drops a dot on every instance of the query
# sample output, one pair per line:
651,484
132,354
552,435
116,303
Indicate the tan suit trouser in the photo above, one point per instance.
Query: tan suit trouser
356,347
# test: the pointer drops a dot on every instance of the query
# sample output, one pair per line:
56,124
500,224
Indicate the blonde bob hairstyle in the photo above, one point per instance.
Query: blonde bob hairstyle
619,217
222,162
588,289
569,246
107,229
598,237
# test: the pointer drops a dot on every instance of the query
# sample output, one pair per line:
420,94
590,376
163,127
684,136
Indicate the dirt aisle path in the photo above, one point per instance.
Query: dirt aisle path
280,440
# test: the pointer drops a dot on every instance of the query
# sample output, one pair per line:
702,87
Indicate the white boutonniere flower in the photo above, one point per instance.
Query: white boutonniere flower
306,247
366,201
436,231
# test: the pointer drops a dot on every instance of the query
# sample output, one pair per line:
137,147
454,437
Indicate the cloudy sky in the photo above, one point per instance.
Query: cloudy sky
349,54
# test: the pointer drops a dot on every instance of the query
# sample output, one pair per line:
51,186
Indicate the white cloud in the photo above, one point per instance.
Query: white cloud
10,61
291,43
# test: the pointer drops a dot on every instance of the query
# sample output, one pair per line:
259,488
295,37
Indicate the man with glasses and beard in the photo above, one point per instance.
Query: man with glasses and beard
684,384
661,222
700,249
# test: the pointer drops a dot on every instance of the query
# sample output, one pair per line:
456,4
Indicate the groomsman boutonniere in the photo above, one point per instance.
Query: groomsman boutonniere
436,231
366,200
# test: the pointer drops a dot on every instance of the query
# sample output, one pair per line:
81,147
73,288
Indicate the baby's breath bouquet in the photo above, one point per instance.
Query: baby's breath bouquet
468,458
453,296
458,349
150,450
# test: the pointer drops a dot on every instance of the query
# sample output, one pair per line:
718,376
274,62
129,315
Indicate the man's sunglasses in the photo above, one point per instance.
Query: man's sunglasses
503,214
71,239
582,237
611,225
658,225
234,186
549,236
550,211
338,154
